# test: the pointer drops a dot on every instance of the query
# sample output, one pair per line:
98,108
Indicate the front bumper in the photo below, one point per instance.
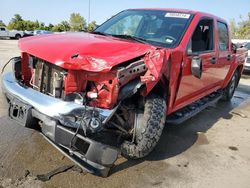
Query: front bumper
26,106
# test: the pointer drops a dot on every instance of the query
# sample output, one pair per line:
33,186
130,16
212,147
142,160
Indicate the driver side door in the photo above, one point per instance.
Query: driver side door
202,48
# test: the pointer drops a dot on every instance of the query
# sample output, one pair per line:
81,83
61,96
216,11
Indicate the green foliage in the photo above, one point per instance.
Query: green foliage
2,24
233,28
49,27
66,25
91,26
63,26
16,23
242,31
77,22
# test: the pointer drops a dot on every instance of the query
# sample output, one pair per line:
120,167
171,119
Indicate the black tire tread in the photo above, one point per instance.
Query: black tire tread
226,94
150,130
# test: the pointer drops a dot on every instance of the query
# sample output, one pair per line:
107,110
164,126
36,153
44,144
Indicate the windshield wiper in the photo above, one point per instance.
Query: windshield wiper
130,37
98,33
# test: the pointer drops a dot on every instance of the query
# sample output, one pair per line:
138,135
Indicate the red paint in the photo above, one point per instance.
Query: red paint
26,72
97,55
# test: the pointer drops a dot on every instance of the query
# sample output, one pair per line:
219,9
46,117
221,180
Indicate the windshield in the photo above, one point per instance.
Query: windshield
156,27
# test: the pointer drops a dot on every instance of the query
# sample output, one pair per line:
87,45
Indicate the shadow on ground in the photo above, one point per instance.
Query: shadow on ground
177,139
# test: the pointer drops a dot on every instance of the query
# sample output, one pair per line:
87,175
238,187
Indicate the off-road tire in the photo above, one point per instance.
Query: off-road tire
229,90
18,36
149,130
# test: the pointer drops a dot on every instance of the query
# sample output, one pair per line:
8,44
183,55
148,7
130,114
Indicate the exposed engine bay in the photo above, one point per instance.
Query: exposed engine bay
83,87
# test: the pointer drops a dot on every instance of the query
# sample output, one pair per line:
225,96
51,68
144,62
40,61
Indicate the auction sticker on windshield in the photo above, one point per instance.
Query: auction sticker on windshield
177,15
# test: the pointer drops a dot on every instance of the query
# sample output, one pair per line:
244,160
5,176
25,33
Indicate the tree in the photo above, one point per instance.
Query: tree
66,25
91,26
233,28
58,28
17,18
49,27
63,26
243,31
77,22
16,23
2,24
42,26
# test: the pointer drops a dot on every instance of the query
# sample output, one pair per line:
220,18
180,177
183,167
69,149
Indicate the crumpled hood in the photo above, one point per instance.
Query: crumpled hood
83,51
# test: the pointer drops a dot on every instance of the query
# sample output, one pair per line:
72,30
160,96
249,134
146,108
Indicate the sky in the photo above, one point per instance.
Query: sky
55,11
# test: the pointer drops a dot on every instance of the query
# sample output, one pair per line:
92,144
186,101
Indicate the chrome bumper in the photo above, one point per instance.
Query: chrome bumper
29,104
45,104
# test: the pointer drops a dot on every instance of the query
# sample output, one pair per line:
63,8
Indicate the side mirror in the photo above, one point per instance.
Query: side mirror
196,67
234,48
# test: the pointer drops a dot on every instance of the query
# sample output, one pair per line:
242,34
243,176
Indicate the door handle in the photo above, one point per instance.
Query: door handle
229,57
213,60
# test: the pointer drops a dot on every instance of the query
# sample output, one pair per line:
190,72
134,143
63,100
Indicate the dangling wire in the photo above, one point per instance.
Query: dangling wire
7,64
77,130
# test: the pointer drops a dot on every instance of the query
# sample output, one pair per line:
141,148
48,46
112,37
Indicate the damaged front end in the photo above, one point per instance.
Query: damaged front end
73,108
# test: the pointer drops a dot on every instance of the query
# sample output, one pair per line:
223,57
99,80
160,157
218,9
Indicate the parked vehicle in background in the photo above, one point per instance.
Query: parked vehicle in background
247,60
41,32
95,95
28,33
13,34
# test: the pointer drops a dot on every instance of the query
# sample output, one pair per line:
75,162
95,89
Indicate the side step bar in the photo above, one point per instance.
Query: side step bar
191,110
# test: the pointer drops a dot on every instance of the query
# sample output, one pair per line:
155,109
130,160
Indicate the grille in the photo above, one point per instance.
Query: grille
47,78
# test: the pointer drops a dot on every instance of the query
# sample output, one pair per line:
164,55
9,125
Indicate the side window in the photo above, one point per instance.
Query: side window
223,36
2,29
203,37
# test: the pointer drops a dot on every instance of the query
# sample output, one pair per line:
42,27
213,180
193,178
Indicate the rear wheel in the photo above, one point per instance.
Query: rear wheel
230,89
147,129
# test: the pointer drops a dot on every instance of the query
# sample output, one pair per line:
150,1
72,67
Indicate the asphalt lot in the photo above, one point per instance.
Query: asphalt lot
210,150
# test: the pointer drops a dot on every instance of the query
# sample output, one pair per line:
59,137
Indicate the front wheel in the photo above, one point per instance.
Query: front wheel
148,127
229,90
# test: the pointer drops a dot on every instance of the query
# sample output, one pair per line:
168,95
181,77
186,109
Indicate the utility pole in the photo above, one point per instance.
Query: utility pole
89,13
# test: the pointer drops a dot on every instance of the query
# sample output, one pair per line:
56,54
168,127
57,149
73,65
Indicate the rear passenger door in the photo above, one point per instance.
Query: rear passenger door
224,51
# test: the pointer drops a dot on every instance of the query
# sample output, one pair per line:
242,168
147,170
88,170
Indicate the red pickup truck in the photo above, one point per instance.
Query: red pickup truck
95,95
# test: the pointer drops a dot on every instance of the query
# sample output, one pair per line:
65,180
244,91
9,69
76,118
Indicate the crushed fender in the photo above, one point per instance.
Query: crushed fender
155,62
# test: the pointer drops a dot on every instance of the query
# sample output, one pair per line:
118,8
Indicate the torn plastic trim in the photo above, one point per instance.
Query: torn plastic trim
130,89
45,104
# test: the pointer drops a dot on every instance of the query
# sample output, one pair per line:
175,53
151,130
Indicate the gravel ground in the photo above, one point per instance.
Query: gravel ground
210,150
